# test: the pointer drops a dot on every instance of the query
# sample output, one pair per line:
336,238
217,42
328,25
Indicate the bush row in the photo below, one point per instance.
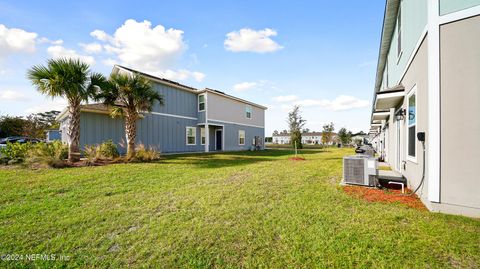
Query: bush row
54,154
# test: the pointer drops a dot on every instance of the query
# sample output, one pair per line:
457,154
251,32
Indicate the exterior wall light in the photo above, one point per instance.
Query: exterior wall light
400,115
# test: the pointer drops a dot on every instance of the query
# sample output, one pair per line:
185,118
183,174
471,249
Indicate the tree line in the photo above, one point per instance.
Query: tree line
296,125
34,125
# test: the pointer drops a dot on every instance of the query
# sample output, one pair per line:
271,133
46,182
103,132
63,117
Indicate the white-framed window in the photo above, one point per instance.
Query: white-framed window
191,135
202,136
241,137
399,31
201,102
248,111
412,124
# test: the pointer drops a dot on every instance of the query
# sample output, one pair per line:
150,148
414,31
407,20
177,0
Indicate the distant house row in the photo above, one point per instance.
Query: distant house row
309,138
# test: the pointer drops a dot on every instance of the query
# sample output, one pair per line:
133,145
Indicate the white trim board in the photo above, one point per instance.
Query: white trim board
171,115
433,95
459,15
230,122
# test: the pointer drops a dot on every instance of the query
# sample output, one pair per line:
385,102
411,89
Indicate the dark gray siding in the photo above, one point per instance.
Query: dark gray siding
168,134
177,102
231,135
97,128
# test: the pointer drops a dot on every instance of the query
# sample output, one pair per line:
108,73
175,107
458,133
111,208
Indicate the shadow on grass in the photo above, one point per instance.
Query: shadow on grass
238,158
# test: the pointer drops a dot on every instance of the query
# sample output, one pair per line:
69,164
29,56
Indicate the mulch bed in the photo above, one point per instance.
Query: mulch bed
296,159
83,163
385,196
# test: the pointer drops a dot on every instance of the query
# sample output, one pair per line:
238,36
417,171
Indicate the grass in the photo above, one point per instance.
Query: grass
247,209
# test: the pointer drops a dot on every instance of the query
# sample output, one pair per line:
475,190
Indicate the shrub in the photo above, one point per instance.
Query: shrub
91,154
47,154
108,150
143,154
15,152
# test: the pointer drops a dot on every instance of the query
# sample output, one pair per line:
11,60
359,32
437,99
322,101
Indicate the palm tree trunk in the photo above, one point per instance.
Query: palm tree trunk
74,130
131,132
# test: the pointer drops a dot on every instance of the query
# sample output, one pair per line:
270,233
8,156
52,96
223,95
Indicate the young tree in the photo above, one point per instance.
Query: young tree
11,126
327,133
345,136
72,80
37,124
129,95
295,123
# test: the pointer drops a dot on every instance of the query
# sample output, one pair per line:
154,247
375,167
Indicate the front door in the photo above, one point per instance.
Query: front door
218,139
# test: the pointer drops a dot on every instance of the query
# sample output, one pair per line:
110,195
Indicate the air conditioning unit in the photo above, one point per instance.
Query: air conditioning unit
360,170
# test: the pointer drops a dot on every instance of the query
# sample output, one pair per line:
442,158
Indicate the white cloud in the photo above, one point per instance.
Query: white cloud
251,40
181,74
244,86
311,102
346,102
140,45
151,49
14,40
91,48
286,98
62,52
47,105
11,95
101,35
109,62
340,103
42,40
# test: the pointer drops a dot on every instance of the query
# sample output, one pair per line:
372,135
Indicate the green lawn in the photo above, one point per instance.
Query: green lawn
249,209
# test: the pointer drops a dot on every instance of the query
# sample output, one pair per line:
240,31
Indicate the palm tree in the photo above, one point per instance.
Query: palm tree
72,80
129,95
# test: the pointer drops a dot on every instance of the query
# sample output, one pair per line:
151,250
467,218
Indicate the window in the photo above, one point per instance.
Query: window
202,136
201,102
399,31
412,124
191,135
241,137
248,111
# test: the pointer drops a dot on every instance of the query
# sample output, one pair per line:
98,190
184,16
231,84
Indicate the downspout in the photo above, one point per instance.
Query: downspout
207,133
433,95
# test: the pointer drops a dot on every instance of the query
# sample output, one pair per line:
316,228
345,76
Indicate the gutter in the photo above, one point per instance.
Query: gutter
388,28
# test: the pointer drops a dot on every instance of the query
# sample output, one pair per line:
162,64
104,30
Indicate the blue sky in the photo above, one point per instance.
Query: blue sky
319,54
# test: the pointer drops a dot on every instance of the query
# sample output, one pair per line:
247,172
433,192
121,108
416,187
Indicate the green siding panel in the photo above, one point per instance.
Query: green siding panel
449,6
414,21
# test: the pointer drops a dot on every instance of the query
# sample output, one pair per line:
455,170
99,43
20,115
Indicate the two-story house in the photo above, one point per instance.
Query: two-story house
190,120
428,83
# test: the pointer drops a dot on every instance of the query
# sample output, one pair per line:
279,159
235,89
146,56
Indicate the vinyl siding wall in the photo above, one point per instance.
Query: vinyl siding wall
460,125
231,135
450,6
229,110
414,21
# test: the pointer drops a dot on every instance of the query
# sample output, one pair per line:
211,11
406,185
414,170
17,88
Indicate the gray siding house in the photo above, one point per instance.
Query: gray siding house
190,120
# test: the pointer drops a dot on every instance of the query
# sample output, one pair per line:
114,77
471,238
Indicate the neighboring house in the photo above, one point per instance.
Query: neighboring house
309,138
190,120
360,137
52,135
428,78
